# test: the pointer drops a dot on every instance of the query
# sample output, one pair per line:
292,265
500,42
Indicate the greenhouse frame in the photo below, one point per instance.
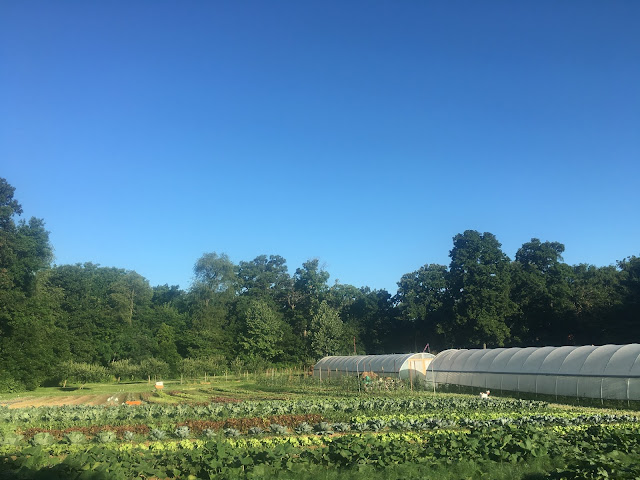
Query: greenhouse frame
401,365
606,372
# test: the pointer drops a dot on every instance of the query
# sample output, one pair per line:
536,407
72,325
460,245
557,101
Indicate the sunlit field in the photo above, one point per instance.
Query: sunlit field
287,424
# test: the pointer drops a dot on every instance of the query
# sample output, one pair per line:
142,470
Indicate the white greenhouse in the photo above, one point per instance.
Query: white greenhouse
402,365
607,371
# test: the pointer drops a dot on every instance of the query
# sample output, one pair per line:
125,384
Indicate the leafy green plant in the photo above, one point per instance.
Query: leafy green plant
106,437
11,439
74,438
278,429
303,428
157,434
182,432
42,439
341,427
209,433
323,428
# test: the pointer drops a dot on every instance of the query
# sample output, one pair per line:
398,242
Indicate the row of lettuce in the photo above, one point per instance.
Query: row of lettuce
114,414
256,427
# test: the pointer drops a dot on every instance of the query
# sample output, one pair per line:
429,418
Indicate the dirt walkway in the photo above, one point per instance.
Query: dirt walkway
57,401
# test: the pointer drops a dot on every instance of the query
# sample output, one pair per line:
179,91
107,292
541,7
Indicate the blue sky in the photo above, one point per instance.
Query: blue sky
362,133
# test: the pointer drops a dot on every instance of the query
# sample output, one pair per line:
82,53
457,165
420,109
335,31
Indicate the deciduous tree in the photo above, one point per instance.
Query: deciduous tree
478,282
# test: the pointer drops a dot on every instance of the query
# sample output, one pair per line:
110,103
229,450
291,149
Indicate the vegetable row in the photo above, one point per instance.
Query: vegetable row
229,458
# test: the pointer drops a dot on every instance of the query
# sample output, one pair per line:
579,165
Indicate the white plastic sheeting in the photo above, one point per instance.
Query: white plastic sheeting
607,371
402,365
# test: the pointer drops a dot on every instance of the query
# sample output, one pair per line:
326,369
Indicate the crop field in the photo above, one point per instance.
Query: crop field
267,430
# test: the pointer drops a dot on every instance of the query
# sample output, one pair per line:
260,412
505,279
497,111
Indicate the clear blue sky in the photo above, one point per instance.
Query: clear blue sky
363,133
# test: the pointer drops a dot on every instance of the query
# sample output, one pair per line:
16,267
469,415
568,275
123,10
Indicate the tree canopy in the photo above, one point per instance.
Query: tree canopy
255,313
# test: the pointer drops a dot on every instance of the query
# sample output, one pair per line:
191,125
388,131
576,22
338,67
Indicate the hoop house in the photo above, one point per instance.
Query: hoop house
401,365
607,371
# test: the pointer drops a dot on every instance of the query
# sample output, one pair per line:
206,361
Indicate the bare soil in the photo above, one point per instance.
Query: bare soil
59,400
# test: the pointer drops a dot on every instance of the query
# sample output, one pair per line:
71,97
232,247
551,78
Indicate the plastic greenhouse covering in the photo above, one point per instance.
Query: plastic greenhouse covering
402,365
607,371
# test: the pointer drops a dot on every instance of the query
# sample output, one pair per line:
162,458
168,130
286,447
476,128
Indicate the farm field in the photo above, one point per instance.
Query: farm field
251,428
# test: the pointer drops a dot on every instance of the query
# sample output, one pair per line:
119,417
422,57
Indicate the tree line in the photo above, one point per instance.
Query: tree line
255,313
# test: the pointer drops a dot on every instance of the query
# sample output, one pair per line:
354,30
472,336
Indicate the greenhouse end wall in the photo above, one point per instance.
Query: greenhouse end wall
607,371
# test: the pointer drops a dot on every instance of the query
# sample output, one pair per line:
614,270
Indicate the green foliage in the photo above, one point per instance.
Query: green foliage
8,384
483,437
154,368
157,434
479,284
124,370
261,332
214,274
74,438
278,429
11,439
83,373
106,437
326,329
42,439
182,432
258,314
199,367
421,300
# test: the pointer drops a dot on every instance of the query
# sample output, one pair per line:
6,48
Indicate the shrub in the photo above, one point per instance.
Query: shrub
83,373
124,369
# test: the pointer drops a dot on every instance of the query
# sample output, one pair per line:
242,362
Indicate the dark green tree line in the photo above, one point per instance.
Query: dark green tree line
255,313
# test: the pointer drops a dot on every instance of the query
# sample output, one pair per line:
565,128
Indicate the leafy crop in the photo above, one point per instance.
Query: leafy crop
227,440
73,438
157,434
106,437
42,439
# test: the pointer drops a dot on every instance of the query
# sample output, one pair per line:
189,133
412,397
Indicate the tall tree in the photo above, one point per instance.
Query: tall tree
261,332
29,341
540,288
307,292
420,301
265,278
597,298
212,294
479,285
326,331
628,325
214,274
